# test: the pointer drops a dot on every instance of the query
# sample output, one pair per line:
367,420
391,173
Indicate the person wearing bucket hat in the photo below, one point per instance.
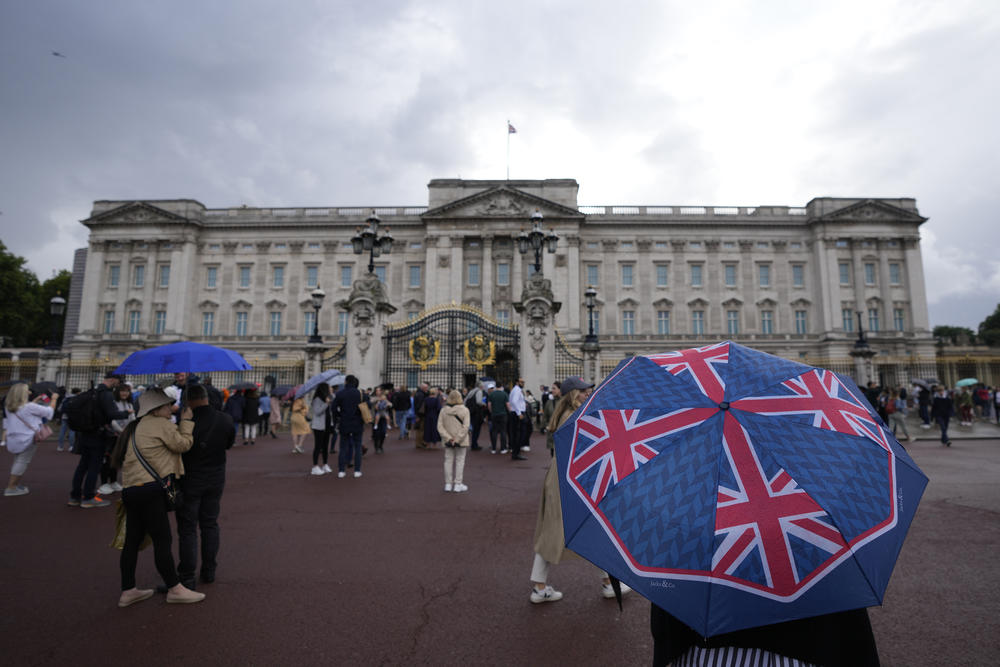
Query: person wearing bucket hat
161,443
550,543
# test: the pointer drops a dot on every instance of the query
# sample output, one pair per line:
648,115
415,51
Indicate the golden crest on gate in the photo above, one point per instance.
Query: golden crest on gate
480,352
424,351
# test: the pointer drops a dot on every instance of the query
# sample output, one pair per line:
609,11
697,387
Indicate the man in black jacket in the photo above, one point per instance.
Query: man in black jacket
348,416
401,406
91,445
419,409
202,484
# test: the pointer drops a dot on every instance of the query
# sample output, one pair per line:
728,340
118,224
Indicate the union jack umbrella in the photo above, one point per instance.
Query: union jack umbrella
734,488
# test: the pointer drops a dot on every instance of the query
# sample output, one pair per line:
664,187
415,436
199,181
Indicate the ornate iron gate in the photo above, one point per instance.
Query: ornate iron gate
567,361
450,346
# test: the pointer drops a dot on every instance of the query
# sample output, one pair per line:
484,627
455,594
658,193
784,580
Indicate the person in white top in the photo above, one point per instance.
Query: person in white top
519,422
24,418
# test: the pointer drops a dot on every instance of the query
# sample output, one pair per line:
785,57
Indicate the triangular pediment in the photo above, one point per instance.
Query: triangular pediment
502,202
873,210
136,212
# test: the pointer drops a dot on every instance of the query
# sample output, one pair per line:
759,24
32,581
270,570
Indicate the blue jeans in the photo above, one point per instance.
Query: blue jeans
401,422
350,445
66,434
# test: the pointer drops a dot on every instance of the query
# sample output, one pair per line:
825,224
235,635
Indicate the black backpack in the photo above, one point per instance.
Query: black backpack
83,412
471,402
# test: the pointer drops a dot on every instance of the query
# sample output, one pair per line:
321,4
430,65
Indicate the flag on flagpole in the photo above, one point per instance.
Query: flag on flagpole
510,128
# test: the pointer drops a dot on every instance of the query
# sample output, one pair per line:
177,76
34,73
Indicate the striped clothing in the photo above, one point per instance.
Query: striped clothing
731,656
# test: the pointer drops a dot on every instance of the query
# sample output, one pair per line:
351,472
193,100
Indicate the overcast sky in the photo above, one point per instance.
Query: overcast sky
326,103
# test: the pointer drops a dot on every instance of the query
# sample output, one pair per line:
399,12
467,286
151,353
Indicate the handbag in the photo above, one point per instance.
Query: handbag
41,433
169,484
366,413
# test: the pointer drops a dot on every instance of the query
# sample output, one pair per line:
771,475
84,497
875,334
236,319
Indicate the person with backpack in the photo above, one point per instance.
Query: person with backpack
90,415
475,402
66,434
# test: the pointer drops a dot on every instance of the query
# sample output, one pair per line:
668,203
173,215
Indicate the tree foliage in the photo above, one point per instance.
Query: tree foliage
989,329
953,335
24,310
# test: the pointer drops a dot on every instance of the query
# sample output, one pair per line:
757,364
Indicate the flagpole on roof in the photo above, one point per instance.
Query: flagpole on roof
510,131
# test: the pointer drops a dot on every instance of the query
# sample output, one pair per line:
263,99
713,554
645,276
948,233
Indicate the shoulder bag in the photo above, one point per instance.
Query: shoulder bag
169,484
41,433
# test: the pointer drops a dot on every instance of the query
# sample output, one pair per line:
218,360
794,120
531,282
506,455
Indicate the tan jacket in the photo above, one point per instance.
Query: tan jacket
550,542
161,443
453,424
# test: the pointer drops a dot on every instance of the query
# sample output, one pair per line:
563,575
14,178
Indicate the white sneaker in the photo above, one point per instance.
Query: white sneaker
461,488
105,490
609,592
525,449
447,488
341,474
316,470
117,487
357,474
327,469
547,594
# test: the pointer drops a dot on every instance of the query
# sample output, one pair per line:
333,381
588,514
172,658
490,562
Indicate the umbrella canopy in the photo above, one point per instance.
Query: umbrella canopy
44,388
917,382
182,357
282,389
967,382
736,489
332,377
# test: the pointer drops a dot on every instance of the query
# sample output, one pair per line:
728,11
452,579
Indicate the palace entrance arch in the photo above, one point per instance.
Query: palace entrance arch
451,346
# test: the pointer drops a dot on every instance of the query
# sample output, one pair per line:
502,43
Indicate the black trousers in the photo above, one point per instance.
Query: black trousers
90,447
520,430
321,446
477,426
200,512
146,512
498,426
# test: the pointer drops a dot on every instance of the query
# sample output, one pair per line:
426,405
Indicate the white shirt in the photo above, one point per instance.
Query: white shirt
20,434
516,400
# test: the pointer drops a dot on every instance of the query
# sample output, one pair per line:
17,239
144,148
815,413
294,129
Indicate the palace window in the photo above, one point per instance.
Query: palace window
845,273
114,275
800,322
309,322
627,275
595,320
503,273
138,275
278,276
109,321
663,322
798,275
894,273
415,279
164,275
767,321
873,319
208,324
241,323
847,318
732,322
342,320
869,273
662,274
698,321
133,321
312,276
380,273
346,275
159,322
898,321
275,323
211,276
696,275
244,277
503,315
730,275
472,277
592,278
628,322
764,274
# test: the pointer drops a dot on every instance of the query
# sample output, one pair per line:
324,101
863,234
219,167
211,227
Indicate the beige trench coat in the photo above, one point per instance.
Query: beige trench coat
550,542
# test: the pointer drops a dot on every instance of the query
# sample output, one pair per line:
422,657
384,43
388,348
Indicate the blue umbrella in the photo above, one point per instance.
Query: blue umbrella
182,357
967,382
736,489
332,377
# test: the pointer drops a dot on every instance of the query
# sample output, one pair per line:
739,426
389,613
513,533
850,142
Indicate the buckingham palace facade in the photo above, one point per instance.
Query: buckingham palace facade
793,281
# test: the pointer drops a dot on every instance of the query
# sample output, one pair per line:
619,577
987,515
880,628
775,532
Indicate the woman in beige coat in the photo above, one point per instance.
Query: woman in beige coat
453,426
550,542
161,443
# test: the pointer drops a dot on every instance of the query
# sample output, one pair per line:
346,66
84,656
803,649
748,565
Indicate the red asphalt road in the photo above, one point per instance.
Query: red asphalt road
389,569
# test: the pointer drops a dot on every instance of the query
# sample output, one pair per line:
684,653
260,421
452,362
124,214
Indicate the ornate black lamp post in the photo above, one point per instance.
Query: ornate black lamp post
57,306
590,296
368,239
536,239
317,296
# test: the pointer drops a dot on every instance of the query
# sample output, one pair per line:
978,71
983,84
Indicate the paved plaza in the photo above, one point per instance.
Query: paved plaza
388,569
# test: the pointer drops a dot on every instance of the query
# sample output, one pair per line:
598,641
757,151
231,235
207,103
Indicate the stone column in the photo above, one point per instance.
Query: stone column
93,284
49,365
314,359
537,309
573,292
369,310
914,276
431,296
591,361
457,270
179,292
486,279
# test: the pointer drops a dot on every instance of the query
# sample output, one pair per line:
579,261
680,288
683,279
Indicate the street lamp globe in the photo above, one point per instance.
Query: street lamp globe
57,305
317,296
